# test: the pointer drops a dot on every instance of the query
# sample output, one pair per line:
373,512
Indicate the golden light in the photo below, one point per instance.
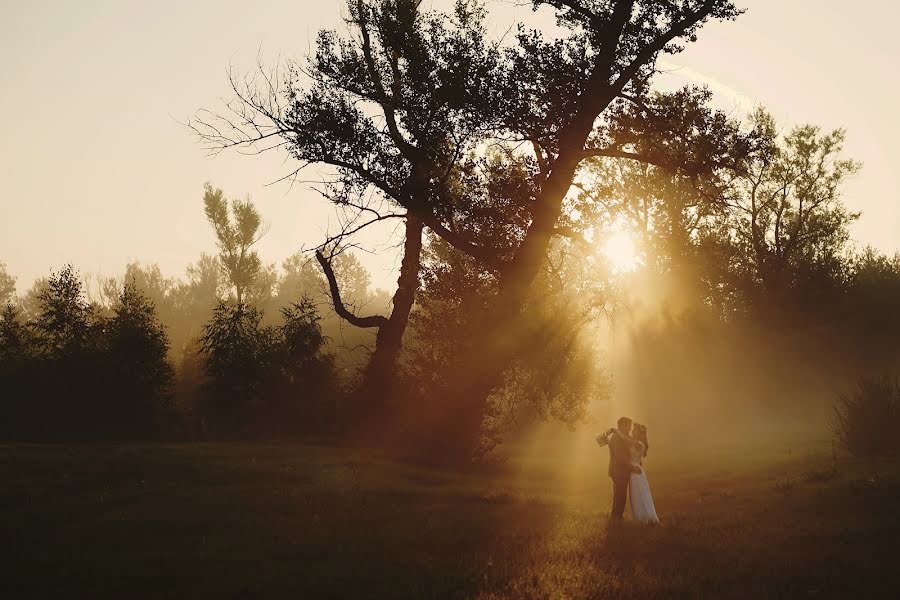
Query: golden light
621,252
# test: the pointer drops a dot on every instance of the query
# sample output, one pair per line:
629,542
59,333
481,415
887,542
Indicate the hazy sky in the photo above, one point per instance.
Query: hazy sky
97,171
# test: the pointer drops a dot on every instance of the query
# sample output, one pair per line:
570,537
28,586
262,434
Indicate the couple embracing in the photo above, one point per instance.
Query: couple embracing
627,450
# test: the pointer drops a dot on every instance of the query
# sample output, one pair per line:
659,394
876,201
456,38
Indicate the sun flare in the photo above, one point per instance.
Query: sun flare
621,252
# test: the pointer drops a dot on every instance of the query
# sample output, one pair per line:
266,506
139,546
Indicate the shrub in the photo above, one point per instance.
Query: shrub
266,381
867,421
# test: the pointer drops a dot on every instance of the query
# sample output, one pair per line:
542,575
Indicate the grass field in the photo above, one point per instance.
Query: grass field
262,521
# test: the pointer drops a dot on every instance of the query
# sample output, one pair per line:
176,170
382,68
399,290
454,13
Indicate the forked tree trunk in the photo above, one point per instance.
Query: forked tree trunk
379,374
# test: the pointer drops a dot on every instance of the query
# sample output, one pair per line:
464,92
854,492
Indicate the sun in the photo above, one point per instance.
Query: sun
621,252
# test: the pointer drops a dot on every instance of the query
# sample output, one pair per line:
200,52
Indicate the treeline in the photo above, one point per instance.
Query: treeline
86,371
750,296
237,349
73,372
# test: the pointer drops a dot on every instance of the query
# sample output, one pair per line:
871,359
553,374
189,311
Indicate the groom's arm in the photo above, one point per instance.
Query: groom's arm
622,455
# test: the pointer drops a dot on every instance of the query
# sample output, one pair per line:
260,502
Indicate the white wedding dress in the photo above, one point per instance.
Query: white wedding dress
641,502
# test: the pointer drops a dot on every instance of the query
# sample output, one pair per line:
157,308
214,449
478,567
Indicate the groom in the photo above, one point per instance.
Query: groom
620,467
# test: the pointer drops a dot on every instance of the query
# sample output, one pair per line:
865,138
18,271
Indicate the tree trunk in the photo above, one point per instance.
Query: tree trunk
379,375
455,425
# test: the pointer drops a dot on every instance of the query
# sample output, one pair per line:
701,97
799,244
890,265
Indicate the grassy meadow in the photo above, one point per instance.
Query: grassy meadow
304,521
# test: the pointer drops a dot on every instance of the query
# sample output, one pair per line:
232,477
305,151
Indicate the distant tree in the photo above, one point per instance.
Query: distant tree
88,375
15,338
30,302
761,228
261,292
238,356
68,333
262,379
16,373
191,387
7,284
786,206
64,324
865,311
299,276
205,280
309,380
193,301
139,377
303,339
149,281
669,210
235,235
353,279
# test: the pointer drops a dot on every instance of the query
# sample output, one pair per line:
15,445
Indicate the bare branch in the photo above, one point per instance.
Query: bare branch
339,308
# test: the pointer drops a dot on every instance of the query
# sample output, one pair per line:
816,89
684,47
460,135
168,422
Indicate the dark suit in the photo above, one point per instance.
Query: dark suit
620,472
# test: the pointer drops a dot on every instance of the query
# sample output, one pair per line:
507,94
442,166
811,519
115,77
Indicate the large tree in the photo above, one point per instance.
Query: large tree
409,101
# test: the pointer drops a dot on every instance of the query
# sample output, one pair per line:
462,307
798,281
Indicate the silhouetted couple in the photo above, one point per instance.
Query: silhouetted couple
626,452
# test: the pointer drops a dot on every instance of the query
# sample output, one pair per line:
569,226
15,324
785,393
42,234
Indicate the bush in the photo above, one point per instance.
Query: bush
867,421
266,381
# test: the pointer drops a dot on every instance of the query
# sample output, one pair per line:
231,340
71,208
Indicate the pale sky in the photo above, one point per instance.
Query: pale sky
97,171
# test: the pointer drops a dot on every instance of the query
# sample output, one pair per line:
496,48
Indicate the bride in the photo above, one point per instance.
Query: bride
634,441
641,502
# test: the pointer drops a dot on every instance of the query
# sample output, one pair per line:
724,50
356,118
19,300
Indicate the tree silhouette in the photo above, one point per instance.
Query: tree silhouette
407,102
237,356
138,375
16,373
235,235
264,379
7,284
308,387
64,324
379,374
70,372
785,206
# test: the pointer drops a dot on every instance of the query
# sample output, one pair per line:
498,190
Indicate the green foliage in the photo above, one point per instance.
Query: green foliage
556,372
266,380
71,373
235,234
16,370
138,372
238,355
413,104
761,228
303,338
7,284
479,137
15,336
787,209
66,319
